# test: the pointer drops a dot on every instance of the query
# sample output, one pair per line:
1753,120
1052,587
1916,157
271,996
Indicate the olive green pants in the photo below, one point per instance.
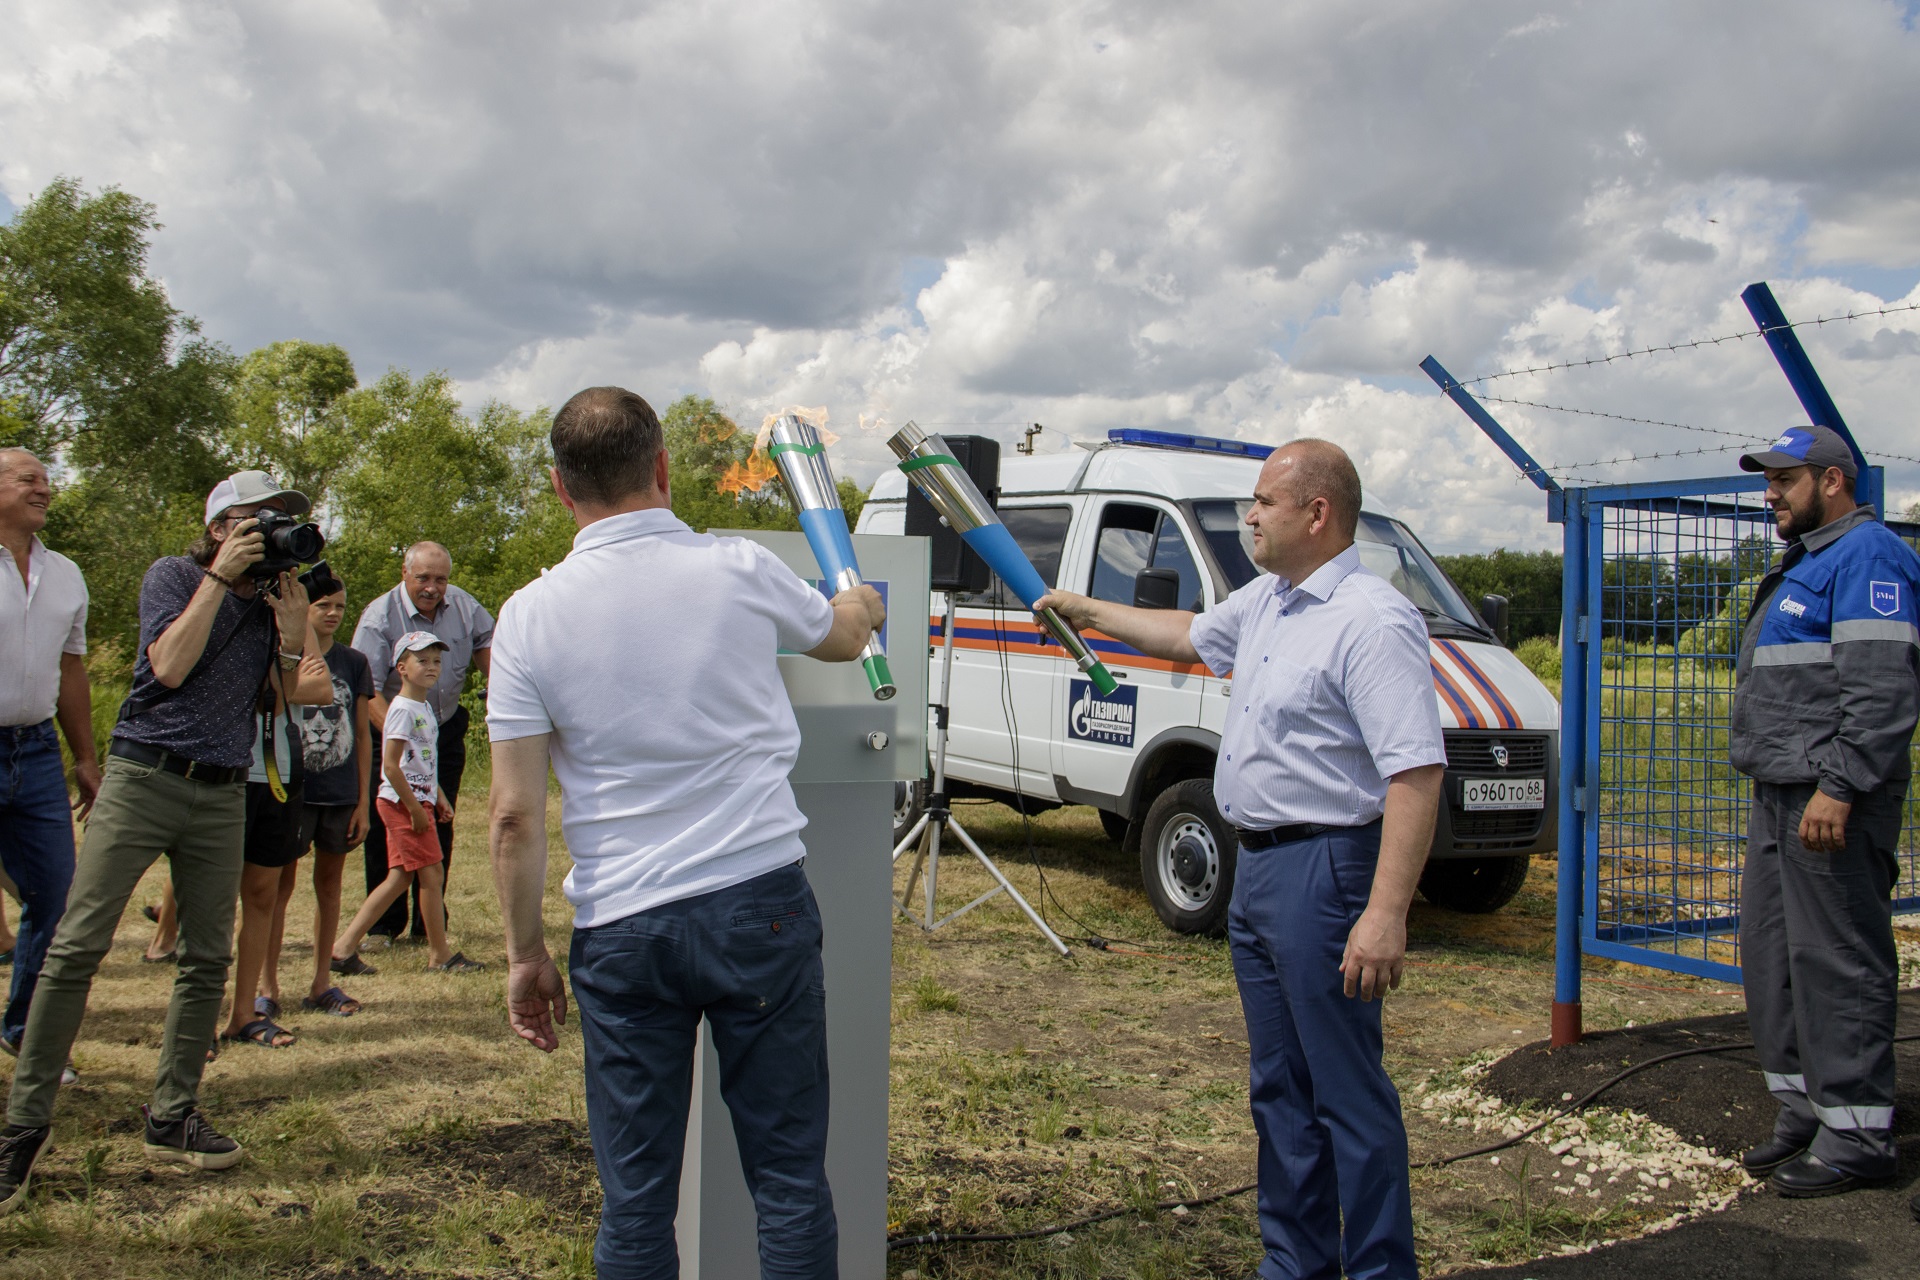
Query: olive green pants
142,813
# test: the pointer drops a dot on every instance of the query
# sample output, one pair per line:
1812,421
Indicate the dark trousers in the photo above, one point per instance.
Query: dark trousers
36,852
746,958
1333,1148
1818,962
453,763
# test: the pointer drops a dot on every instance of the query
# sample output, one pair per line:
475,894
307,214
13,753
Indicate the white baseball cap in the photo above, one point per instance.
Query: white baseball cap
416,640
246,488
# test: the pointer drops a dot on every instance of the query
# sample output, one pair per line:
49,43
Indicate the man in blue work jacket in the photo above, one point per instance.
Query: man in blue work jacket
1823,717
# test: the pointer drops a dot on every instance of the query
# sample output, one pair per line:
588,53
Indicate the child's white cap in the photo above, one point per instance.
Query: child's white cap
416,640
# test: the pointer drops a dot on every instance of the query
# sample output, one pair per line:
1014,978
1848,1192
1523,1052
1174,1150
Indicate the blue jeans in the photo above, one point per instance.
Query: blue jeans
36,851
1333,1148
747,958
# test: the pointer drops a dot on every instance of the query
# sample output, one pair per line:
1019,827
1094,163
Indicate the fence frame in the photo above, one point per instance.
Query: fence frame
1581,513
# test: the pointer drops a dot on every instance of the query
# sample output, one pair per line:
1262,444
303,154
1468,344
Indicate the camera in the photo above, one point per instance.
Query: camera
320,581
289,543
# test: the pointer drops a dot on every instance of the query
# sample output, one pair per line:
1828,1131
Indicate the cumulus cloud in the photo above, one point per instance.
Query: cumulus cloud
1237,218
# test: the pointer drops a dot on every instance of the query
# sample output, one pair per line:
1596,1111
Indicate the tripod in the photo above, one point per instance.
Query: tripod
938,820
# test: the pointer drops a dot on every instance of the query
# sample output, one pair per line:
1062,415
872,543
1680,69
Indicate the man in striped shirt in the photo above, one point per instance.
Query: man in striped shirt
1330,767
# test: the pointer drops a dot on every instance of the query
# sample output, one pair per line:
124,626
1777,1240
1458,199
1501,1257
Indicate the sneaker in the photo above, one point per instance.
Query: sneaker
191,1140
20,1146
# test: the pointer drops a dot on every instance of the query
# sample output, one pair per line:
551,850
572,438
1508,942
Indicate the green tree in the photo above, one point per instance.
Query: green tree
420,469
109,384
717,481
1530,580
283,398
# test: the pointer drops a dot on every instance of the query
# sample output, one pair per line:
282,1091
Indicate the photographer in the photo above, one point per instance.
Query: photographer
215,625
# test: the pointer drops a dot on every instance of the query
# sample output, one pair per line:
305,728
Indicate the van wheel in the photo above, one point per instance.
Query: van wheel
909,802
1187,854
1114,825
1475,885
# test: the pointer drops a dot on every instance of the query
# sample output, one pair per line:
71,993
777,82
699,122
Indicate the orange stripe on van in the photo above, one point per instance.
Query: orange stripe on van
1463,712
1502,708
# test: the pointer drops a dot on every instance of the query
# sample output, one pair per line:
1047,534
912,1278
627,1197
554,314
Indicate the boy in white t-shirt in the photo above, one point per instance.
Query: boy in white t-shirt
409,782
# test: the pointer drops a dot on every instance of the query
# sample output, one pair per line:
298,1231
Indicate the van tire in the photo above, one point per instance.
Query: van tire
1114,825
1187,856
1474,885
909,802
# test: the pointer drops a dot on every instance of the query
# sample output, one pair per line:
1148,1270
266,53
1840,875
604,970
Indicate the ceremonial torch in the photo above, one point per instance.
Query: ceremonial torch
946,484
796,450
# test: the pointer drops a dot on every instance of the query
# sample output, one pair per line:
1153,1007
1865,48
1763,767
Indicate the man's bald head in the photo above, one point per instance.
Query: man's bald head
13,456
1309,469
422,553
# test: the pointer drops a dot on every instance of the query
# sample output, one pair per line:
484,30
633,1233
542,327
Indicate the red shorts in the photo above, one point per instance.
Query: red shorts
407,849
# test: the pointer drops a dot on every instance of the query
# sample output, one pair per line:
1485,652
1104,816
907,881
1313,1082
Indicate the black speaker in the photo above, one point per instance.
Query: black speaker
956,566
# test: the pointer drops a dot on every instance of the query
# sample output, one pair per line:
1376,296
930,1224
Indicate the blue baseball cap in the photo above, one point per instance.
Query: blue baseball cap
1808,446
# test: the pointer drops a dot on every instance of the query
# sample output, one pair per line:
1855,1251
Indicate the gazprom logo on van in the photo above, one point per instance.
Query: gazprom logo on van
1107,720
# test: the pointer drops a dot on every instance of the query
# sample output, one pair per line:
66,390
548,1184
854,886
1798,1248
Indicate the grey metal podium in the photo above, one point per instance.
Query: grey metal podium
844,783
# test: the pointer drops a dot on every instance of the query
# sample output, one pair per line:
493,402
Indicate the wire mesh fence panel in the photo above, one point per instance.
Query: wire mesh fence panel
1670,581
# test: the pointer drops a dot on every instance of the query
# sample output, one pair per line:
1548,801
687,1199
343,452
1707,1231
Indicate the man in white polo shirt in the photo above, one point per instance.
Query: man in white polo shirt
643,667
43,638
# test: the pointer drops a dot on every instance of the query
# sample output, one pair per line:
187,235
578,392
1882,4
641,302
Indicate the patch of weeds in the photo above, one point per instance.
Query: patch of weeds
1048,1123
930,997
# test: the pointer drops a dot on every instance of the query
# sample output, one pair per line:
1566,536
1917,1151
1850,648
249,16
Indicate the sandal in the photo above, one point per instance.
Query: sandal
353,966
167,958
334,1001
263,1032
266,1006
457,963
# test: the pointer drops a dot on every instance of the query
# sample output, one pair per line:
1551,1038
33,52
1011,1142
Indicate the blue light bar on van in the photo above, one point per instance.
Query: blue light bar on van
1179,440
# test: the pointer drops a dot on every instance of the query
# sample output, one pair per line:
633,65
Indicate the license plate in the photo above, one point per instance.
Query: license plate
1503,793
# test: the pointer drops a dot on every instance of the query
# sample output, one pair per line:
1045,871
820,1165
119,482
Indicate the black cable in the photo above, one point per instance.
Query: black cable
1165,1206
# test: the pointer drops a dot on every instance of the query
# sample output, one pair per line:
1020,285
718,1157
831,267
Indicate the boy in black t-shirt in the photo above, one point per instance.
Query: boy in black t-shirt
337,803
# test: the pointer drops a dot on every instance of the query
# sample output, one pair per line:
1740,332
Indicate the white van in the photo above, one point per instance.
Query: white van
1154,517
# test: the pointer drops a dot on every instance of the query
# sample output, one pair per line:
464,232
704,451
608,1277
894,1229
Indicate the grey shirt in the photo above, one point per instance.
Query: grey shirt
463,624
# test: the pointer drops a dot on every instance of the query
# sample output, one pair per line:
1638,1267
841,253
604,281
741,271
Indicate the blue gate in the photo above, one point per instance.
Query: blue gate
1657,579
1666,576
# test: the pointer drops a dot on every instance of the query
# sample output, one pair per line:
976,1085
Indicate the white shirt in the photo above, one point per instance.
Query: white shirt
1332,695
413,722
649,656
40,619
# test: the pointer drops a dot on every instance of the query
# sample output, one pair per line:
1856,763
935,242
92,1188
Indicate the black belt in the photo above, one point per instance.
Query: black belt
1289,834
191,770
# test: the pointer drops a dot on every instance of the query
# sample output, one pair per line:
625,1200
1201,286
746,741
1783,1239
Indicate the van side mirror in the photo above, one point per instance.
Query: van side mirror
1156,589
1494,610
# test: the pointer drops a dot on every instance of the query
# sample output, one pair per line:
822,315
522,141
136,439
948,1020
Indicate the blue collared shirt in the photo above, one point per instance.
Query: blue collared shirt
1332,695
463,623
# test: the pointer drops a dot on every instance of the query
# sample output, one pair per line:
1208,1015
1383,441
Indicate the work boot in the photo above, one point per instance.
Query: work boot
1808,1176
20,1146
1771,1154
191,1140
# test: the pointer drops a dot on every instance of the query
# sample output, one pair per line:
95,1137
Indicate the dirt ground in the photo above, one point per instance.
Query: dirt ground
418,1139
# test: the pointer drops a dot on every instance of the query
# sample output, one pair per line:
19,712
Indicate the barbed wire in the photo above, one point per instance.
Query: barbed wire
1617,417
1689,345
1564,467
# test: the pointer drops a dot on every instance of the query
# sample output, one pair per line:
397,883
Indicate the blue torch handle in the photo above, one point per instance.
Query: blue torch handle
826,530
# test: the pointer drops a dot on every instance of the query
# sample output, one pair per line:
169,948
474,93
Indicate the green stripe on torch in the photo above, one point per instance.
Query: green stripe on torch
811,450
879,678
1102,679
928,460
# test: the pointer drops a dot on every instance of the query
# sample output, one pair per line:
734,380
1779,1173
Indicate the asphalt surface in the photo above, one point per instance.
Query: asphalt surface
1719,1101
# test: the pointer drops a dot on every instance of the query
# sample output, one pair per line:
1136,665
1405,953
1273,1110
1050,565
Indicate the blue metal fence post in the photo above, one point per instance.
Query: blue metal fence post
1574,802
1806,384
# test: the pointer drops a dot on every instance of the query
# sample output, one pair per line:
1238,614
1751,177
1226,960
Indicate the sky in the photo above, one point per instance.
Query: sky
1239,219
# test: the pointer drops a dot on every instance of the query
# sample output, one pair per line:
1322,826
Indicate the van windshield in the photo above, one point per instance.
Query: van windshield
1387,547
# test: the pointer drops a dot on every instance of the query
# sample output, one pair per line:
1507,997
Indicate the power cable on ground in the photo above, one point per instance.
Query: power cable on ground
1167,1206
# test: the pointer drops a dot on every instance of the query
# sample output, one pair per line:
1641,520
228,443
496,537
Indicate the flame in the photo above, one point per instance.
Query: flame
748,477
815,418
873,423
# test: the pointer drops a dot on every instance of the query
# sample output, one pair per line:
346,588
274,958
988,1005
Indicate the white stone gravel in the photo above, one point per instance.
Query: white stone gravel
1604,1142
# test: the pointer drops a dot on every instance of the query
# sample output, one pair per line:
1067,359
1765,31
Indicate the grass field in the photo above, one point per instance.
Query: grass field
418,1139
